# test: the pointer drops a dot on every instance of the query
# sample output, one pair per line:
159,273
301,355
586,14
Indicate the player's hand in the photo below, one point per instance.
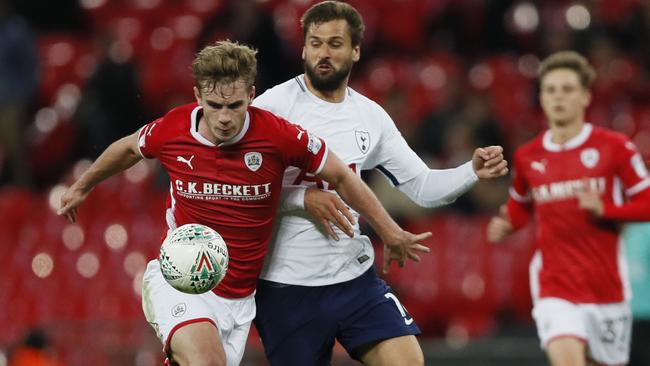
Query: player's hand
70,200
589,199
403,245
329,210
488,162
499,227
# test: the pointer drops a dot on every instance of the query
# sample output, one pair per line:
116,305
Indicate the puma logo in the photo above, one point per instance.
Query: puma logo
186,161
540,166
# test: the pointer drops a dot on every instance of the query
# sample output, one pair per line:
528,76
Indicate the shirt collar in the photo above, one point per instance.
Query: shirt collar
574,142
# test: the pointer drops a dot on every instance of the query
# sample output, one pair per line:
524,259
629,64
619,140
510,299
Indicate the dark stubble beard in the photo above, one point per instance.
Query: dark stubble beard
331,82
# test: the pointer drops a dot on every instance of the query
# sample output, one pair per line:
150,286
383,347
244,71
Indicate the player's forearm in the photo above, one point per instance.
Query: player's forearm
638,209
436,187
518,213
118,157
359,196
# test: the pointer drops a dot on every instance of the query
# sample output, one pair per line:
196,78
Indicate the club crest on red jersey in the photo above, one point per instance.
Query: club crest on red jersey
253,160
589,157
363,140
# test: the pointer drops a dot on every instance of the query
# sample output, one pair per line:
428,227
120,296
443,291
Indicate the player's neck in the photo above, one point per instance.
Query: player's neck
334,96
563,132
204,131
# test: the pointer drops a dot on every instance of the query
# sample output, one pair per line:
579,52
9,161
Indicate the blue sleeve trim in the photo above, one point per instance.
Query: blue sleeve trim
388,175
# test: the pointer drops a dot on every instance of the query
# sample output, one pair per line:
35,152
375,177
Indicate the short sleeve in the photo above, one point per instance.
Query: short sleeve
632,170
150,139
393,157
300,148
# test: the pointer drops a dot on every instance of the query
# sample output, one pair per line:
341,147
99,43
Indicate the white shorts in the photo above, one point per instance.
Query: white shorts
168,309
606,329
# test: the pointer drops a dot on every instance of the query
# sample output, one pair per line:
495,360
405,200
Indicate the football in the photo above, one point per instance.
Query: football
193,258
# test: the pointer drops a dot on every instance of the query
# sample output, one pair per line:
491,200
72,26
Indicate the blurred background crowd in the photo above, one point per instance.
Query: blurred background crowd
76,75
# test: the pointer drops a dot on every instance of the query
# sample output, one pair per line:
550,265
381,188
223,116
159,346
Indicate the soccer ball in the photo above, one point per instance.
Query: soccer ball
193,258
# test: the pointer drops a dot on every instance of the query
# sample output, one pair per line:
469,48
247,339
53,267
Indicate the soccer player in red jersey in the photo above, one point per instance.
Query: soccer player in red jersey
226,160
580,181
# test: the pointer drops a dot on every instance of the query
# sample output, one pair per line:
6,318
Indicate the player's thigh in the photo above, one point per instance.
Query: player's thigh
609,328
374,319
566,351
197,344
170,311
235,345
306,346
399,351
557,318
293,328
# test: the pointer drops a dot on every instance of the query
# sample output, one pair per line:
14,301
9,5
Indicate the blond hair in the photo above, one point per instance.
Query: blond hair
569,60
224,62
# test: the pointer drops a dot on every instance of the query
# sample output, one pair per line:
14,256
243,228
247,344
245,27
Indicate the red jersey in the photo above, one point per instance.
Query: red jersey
579,257
233,187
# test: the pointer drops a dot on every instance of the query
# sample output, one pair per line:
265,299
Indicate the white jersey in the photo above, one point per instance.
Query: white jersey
364,136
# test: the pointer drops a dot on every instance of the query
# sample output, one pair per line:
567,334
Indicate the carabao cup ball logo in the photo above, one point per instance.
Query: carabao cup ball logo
193,258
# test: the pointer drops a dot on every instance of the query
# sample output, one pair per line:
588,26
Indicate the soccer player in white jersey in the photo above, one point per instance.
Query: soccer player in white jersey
579,181
315,289
225,160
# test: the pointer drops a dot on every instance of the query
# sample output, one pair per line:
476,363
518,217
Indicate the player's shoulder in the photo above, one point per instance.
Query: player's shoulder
280,97
263,116
294,86
172,124
605,135
363,101
372,113
178,117
267,122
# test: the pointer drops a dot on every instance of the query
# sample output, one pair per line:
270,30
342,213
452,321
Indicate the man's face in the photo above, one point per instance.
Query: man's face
562,96
224,108
328,54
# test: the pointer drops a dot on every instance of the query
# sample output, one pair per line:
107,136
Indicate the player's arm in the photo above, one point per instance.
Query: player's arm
634,175
430,188
513,215
439,187
427,187
355,192
516,212
637,208
119,156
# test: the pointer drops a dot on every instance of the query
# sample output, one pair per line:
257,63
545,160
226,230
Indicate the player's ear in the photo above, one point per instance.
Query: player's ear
303,53
356,53
251,94
197,95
